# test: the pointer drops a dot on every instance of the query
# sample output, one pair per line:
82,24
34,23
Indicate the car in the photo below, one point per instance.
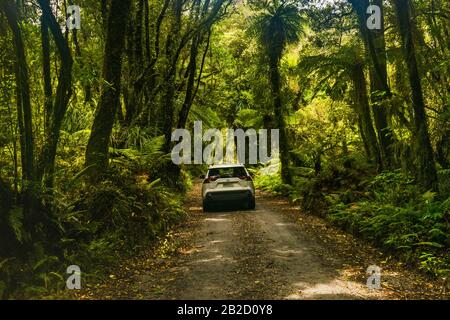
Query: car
228,183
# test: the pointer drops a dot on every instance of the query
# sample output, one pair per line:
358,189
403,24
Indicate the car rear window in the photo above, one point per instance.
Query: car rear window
231,172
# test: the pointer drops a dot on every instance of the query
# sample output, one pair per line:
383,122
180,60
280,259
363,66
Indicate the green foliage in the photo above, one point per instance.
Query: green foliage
16,222
97,224
278,25
396,217
271,183
444,181
248,118
93,225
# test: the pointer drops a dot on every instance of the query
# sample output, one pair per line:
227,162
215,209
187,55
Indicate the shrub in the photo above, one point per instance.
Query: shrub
395,216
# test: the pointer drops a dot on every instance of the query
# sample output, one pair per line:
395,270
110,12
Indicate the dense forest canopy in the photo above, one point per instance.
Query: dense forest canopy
87,114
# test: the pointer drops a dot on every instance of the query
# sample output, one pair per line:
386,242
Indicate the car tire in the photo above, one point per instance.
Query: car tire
252,204
206,206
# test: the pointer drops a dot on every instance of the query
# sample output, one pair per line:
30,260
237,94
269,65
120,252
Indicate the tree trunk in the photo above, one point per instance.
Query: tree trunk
443,150
189,97
104,12
149,76
426,173
363,110
97,148
172,58
63,92
275,81
24,115
85,83
48,91
192,88
376,50
23,93
8,241
173,51
135,63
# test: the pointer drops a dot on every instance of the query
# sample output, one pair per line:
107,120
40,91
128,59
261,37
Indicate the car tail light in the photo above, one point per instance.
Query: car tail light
247,178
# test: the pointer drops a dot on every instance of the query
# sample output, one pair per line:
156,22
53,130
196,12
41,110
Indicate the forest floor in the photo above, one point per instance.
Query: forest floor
273,252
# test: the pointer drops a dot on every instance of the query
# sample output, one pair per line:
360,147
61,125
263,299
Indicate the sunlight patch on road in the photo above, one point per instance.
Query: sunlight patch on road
335,289
217,241
287,253
218,257
282,224
217,219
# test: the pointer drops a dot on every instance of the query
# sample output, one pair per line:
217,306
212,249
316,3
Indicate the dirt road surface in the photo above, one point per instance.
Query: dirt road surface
273,252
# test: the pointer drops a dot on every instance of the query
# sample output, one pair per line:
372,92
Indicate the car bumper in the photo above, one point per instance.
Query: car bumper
228,195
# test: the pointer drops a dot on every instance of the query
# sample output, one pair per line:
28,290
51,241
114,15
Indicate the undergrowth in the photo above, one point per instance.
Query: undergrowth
386,209
392,214
96,225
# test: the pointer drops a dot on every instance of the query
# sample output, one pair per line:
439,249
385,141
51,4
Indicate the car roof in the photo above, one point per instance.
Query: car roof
226,165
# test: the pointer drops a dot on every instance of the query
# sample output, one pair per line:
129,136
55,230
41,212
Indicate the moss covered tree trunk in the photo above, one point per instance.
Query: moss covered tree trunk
97,148
375,44
47,158
25,125
22,92
363,109
426,169
172,56
133,101
275,81
8,241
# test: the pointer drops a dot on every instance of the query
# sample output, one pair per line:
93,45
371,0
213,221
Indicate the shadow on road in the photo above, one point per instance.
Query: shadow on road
229,207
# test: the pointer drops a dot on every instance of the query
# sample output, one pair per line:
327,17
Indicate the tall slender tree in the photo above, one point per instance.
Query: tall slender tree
361,100
426,172
192,66
375,44
97,148
46,166
24,113
24,118
277,26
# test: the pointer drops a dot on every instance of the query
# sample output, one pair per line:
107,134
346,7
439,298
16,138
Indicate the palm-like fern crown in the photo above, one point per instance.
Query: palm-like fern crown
276,27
